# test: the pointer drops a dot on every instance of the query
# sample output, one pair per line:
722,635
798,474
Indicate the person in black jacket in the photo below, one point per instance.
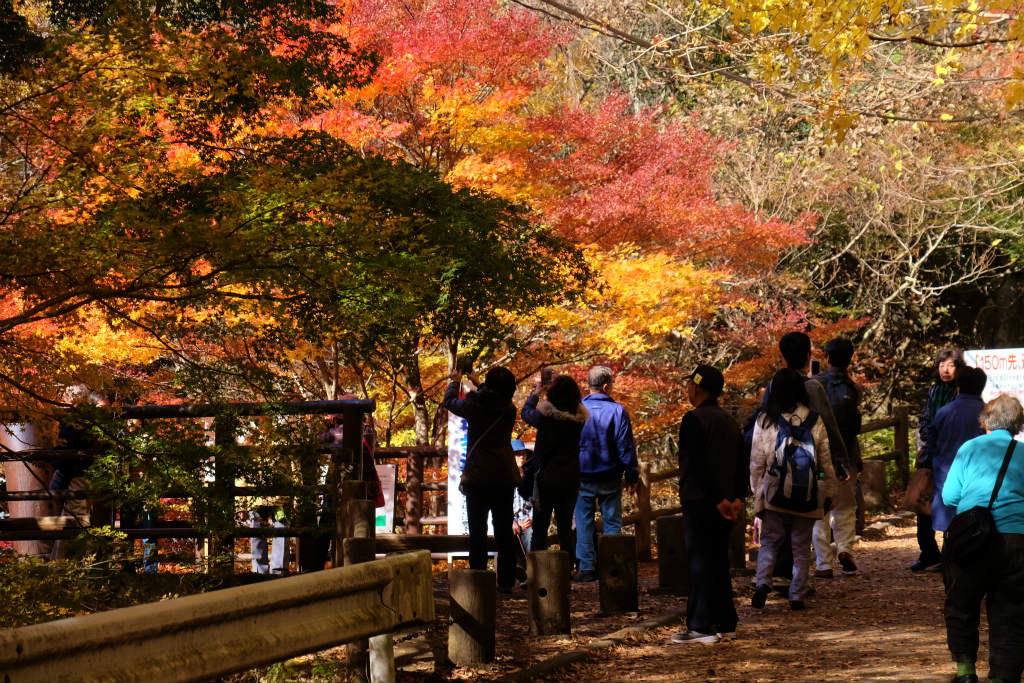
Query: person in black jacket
491,475
559,421
712,486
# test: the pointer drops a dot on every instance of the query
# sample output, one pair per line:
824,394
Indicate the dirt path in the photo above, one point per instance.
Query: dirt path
883,623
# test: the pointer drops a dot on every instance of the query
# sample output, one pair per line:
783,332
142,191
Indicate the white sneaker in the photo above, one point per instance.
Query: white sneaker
730,635
694,637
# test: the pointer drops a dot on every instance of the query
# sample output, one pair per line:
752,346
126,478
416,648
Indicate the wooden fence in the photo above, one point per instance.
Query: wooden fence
420,460
203,637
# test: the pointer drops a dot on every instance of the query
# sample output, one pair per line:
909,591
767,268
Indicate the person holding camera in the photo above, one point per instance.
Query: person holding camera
491,474
559,421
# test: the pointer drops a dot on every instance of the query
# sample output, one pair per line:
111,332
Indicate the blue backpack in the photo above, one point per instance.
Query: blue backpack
791,482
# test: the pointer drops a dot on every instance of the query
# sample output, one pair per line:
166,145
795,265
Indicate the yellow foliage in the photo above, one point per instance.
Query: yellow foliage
642,297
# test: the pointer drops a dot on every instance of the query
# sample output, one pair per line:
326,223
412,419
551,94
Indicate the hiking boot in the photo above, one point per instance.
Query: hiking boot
823,573
694,637
760,596
585,576
797,605
847,563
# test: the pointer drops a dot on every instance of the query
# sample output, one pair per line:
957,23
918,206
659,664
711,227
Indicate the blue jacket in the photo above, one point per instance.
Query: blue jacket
607,449
973,476
954,424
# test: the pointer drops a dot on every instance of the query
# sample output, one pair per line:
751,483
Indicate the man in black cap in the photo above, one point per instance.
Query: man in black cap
712,485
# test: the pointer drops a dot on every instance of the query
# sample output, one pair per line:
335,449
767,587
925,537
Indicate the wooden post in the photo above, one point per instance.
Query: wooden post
901,443
474,596
357,660
413,494
738,543
643,504
547,582
872,480
28,476
382,659
673,563
223,506
616,573
858,491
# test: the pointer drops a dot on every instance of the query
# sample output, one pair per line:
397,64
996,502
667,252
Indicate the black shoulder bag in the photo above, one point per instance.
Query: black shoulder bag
971,530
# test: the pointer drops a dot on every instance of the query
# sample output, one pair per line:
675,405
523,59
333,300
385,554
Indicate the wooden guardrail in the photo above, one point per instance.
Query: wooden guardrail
201,637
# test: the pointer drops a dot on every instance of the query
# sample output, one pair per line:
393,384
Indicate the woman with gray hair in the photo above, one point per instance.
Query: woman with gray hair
997,572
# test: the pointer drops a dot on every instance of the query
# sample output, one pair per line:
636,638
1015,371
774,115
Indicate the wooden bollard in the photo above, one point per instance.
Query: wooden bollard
474,595
738,543
673,562
547,581
616,573
360,517
356,550
872,482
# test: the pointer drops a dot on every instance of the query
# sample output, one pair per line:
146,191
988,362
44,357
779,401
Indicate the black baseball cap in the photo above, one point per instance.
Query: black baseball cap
708,378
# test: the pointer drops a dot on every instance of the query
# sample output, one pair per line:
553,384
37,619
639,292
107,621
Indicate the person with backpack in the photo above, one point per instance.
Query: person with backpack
795,348
841,520
793,481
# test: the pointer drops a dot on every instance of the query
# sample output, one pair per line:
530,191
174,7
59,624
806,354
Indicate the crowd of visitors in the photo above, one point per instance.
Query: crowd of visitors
799,459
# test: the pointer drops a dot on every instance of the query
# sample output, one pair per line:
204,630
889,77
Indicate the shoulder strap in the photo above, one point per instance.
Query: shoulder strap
485,433
1002,471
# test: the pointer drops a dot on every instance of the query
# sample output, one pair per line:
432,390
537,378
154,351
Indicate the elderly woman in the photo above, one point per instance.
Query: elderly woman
997,573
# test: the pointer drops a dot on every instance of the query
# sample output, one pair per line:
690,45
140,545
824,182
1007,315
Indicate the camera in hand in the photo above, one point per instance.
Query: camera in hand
546,376
465,364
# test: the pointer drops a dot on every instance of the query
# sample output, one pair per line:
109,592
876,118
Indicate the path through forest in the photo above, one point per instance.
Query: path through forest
882,623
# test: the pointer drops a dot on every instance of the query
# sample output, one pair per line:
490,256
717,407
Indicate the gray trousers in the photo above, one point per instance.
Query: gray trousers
774,527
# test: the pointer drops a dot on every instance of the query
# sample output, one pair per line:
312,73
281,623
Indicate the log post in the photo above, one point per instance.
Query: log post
474,596
222,543
643,504
738,542
382,659
901,443
616,573
413,493
547,582
872,480
357,660
673,563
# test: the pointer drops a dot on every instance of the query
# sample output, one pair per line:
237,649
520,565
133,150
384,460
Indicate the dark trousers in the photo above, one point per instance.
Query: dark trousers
496,500
997,575
561,501
709,605
926,540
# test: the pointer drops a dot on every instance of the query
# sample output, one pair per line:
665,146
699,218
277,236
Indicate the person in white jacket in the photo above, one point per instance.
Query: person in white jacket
788,496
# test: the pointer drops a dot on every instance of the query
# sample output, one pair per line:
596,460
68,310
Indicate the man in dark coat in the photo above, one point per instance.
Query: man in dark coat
712,485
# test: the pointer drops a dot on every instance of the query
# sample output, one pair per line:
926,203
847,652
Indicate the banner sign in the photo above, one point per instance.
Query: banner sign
385,517
1004,368
458,439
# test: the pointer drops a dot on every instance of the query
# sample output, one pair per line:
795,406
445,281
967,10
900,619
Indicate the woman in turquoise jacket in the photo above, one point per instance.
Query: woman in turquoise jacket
997,573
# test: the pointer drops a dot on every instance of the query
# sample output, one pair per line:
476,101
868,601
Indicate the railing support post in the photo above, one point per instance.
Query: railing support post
643,503
901,443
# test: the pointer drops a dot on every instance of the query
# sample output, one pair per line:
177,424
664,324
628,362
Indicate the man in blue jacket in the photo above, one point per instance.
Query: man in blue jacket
955,424
607,452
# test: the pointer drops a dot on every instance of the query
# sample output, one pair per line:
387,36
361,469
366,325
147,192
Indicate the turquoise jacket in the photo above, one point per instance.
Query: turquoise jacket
973,476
